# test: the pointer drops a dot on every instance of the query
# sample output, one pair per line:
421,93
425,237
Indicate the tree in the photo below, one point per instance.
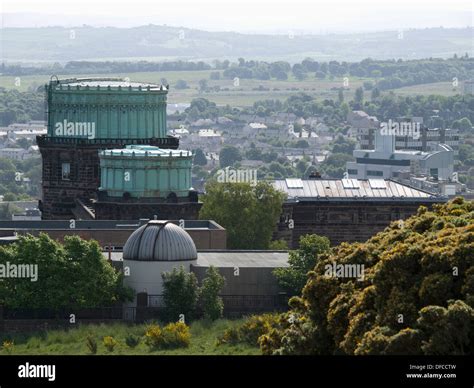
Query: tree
215,75
228,156
203,85
340,96
293,278
359,97
375,93
320,74
181,84
249,213
180,294
416,295
70,275
463,124
211,303
199,158
278,245
8,197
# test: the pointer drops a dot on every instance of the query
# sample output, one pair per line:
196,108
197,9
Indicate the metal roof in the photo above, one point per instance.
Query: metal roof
353,189
159,241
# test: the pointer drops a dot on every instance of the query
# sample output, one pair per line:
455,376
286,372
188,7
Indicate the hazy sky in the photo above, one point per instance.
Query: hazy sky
314,16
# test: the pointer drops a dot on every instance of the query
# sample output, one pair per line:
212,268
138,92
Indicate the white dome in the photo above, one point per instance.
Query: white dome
160,241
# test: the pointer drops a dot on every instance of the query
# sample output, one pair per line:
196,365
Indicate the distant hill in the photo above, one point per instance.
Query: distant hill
153,42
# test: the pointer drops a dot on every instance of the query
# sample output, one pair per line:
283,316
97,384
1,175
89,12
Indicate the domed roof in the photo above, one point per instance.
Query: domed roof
160,241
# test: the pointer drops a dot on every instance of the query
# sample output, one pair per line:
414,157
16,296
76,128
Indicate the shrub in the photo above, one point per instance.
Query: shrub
250,331
132,341
180,294
173,335
110,343
422,272
176,335
211,302
154,337
8,346
91,344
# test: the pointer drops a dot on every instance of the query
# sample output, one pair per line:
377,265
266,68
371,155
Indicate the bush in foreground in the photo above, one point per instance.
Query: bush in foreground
416,296
250,331
173,335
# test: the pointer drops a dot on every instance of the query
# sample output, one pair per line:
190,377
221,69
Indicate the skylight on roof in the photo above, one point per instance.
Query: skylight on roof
377,184
350,184
294,183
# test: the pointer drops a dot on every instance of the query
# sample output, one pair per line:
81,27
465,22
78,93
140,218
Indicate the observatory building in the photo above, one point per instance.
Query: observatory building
120,126
154,248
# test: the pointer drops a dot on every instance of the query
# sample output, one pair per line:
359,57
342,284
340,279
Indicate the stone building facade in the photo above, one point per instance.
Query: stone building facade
345,210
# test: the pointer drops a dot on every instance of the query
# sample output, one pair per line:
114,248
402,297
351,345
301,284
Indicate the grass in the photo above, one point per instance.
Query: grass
204,336
243,95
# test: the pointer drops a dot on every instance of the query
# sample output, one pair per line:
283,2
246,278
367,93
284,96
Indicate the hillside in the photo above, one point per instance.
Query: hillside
164,42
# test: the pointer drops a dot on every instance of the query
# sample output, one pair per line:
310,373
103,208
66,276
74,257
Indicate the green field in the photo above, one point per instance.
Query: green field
245,94
438,88
73,342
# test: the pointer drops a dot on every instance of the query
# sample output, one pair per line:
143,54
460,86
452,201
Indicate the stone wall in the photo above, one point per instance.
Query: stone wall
133,210
203,238
341,221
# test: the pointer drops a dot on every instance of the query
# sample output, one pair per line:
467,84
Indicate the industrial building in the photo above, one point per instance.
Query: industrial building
385,162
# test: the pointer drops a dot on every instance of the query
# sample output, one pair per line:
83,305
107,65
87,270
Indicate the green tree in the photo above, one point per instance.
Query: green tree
181,84
228,156
249,213
340,96
359,97
301,261
72,275
199,157
375,93
278,245
180,294
211,303
215,75
203,85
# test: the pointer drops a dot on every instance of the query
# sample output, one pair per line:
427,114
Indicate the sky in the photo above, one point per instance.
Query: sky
266,16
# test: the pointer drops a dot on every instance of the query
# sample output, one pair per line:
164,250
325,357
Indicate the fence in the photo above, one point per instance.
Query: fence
151,308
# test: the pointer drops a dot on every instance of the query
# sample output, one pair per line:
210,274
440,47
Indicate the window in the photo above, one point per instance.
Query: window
351,171
434,173
66,171
374,173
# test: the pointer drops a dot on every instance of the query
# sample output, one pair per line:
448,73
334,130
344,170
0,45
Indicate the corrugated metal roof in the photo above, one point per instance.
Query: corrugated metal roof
159,241
340,189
